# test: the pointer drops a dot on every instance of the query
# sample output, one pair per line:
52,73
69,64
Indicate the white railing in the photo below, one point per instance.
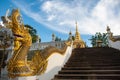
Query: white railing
113,41
115,45
55,63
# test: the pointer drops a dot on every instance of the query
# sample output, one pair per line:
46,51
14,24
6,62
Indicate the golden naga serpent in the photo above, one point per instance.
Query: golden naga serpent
18,65
111,37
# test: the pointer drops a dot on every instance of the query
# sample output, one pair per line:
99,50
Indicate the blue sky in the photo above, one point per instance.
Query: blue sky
59,16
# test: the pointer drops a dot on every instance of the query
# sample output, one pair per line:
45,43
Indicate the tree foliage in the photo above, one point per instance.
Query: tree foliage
33,33
73,38
57,39
101,37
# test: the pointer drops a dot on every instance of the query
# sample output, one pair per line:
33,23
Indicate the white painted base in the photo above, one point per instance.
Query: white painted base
26,78
115,45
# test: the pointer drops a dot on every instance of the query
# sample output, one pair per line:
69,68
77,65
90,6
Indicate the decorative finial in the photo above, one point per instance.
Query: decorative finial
76,27
108,28
70,32
53,35
76,23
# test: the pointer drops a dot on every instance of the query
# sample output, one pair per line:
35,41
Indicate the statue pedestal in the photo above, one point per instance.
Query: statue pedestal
26,78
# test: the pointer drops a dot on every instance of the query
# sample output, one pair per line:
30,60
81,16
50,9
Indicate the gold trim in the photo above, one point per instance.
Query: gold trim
111,37
114,39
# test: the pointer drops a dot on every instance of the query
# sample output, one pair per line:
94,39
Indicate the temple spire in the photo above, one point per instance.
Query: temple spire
78,42
77,35
76,27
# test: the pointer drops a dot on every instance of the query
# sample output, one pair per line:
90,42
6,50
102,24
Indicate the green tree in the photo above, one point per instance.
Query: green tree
99,37
93,41
73,38
33,33
57,39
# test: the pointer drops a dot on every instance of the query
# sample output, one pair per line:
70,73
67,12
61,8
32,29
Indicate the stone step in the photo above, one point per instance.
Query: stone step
92,68
91,64
88,76
89,72
82,79
81,60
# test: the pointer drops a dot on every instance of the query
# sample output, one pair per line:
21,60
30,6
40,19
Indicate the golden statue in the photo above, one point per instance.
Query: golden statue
18,65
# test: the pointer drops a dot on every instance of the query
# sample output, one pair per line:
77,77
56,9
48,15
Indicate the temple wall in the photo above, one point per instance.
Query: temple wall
40,46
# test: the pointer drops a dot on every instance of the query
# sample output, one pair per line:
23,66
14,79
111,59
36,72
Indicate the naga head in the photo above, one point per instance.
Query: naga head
20,32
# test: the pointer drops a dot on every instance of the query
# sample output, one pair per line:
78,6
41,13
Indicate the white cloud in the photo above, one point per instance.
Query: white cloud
51,17
104,14
47,6
92,17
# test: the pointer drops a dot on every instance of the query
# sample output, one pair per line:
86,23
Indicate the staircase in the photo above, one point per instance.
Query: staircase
91,64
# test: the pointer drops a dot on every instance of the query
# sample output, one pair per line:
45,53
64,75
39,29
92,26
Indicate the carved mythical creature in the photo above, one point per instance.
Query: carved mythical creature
110,35
18,65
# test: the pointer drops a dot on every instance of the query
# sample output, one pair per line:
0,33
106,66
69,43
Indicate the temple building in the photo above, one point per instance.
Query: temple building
43,61
78,42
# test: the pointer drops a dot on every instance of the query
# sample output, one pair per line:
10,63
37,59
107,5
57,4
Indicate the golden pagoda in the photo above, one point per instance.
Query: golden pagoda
78,42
